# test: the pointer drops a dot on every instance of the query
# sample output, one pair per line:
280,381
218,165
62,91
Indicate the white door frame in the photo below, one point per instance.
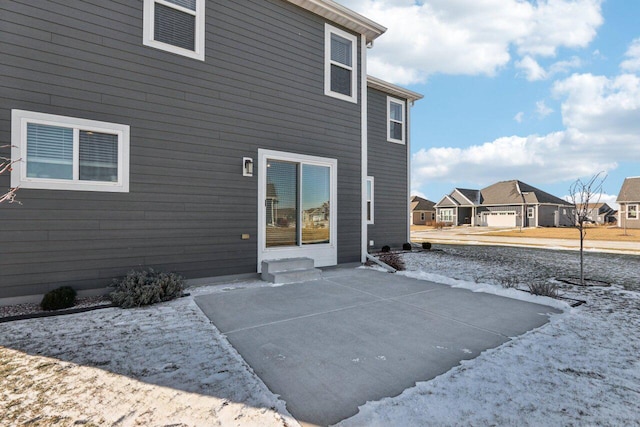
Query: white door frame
324,254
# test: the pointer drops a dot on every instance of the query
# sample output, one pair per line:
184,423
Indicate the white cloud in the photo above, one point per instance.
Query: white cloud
518,117
542,110
471,37
602,127
532,70
633,53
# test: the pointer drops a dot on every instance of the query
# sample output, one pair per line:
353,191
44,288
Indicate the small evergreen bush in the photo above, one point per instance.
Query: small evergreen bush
63,297
406,247
426,246
146,287
385,248
393,260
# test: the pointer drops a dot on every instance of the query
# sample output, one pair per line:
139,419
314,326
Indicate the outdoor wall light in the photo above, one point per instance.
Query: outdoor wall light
247,166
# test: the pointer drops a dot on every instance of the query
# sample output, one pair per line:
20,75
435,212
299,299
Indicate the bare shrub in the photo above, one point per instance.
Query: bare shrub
509,282
546,289
392,260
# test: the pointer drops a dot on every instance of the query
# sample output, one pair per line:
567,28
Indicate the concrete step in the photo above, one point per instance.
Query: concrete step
289,270
284,264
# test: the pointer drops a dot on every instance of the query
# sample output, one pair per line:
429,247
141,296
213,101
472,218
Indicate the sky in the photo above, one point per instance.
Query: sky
544,91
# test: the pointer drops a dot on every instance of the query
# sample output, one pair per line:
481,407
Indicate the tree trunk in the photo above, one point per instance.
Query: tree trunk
581,257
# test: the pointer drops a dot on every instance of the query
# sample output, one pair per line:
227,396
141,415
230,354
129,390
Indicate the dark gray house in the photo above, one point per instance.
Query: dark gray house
629,201
194,136
505,204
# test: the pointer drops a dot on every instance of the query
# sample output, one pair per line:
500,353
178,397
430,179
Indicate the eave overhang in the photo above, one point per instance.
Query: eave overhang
343,16
391,89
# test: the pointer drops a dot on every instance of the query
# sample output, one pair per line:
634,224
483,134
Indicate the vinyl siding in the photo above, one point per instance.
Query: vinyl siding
387,163
261,86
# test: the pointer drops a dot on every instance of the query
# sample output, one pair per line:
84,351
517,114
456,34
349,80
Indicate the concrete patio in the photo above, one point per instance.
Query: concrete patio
356,335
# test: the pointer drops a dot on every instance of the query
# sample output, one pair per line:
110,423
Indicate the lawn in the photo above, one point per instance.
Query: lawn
593,233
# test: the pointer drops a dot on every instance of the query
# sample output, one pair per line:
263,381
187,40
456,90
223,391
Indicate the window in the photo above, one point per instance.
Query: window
176,26
369,200
632,211
423,216
446,215
64,153
395,120
530,213
433,216
340,72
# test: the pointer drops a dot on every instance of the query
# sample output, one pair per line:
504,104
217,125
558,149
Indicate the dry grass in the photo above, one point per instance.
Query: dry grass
593,233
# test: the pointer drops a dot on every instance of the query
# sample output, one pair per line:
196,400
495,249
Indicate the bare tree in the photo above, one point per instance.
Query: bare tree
584,194
5,166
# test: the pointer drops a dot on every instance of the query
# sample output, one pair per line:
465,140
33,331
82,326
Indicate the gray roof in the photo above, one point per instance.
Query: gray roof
473,196
420,204
630,191
517,192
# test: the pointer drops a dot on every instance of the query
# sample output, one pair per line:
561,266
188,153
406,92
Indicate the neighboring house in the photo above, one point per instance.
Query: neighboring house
599,213
423,211
193,136
505,204
629,201
458,207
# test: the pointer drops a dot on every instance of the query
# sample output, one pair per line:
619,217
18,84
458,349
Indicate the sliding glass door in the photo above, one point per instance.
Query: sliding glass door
297,201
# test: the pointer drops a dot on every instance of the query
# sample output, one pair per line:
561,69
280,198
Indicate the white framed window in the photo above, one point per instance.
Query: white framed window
433,216
632,211
395,120
446,215
340,69
423,216
176,26
530,212
370,196
66,153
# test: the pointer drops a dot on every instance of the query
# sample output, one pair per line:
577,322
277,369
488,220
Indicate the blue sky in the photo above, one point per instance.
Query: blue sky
543,91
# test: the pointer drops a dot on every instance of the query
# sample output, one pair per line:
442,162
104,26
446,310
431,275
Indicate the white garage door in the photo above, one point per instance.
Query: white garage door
501,219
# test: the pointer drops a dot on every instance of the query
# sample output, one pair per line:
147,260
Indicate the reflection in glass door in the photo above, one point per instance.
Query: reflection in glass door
297,194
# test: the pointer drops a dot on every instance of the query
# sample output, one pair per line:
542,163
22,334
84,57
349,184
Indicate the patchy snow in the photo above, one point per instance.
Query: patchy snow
159,365
168,365
582,368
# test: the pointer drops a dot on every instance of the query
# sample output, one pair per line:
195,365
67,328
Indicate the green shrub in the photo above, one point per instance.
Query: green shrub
63,297
385,248
426,246
406,246
393,260
146,287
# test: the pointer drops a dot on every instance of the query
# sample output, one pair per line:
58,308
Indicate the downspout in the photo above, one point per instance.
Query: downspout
409,105
364,146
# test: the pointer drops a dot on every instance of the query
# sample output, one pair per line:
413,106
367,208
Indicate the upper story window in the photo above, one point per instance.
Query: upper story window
340,73
65,153
395,120
176,26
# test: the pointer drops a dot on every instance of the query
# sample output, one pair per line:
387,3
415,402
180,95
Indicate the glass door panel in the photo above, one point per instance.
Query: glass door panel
281,205
315,195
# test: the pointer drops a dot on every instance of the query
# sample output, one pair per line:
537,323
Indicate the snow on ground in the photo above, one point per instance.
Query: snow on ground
167,365
159,365
580,369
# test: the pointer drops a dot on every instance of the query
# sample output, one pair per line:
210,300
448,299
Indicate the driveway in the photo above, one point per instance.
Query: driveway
356,335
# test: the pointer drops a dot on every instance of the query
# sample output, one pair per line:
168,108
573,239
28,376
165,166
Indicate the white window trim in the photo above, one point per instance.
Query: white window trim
328,30
370,179
148,29
448,217
530,212
637,212
19,120
404,120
